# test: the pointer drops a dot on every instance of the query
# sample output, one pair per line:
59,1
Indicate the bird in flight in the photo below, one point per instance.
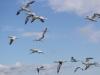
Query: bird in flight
26,8
93,17
59,65
12,38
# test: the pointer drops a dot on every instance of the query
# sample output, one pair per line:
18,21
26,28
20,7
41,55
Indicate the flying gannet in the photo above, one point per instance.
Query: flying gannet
74,60
25,8
60,63
36,51
12,38
93,17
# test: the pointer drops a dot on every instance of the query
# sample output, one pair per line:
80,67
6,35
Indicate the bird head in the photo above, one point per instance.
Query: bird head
87,17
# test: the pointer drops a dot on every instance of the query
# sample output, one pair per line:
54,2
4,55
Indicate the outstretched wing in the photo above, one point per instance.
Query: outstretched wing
28,4
27,18
32,20
94,16
18,12
42,20
58,67
11,40
76,69
87,66
87,59
37,70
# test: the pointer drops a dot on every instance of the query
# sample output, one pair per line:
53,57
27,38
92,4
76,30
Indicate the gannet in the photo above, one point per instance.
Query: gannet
36,51
86,62
74,60
34,17
12,38
40,68
25,8
78,68
30,15
93,17
60,63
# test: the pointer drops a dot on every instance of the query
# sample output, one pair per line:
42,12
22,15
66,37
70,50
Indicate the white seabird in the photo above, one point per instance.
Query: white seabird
87,60
36,51
25,8
78,68
34,17
12,38
74,60
93,17
60,63
40,68
30,15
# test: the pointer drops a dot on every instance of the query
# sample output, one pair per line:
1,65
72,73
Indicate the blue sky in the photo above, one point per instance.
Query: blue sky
70,34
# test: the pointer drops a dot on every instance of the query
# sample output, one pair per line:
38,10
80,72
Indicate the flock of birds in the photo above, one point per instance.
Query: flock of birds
34,17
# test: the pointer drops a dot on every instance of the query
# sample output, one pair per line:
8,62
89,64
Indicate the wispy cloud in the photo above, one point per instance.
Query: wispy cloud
16,69
9,28
32,34
56,36
80,7
19,68
90,32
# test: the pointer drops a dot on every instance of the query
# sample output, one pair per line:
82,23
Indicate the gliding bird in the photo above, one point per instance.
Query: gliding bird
36,51
74,60
25,8
12,38
60,63
93,17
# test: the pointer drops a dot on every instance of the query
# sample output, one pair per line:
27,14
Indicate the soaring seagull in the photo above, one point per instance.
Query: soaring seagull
93,17
12,38
60,63
40,68
36,51
74,60
78,68
25,8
